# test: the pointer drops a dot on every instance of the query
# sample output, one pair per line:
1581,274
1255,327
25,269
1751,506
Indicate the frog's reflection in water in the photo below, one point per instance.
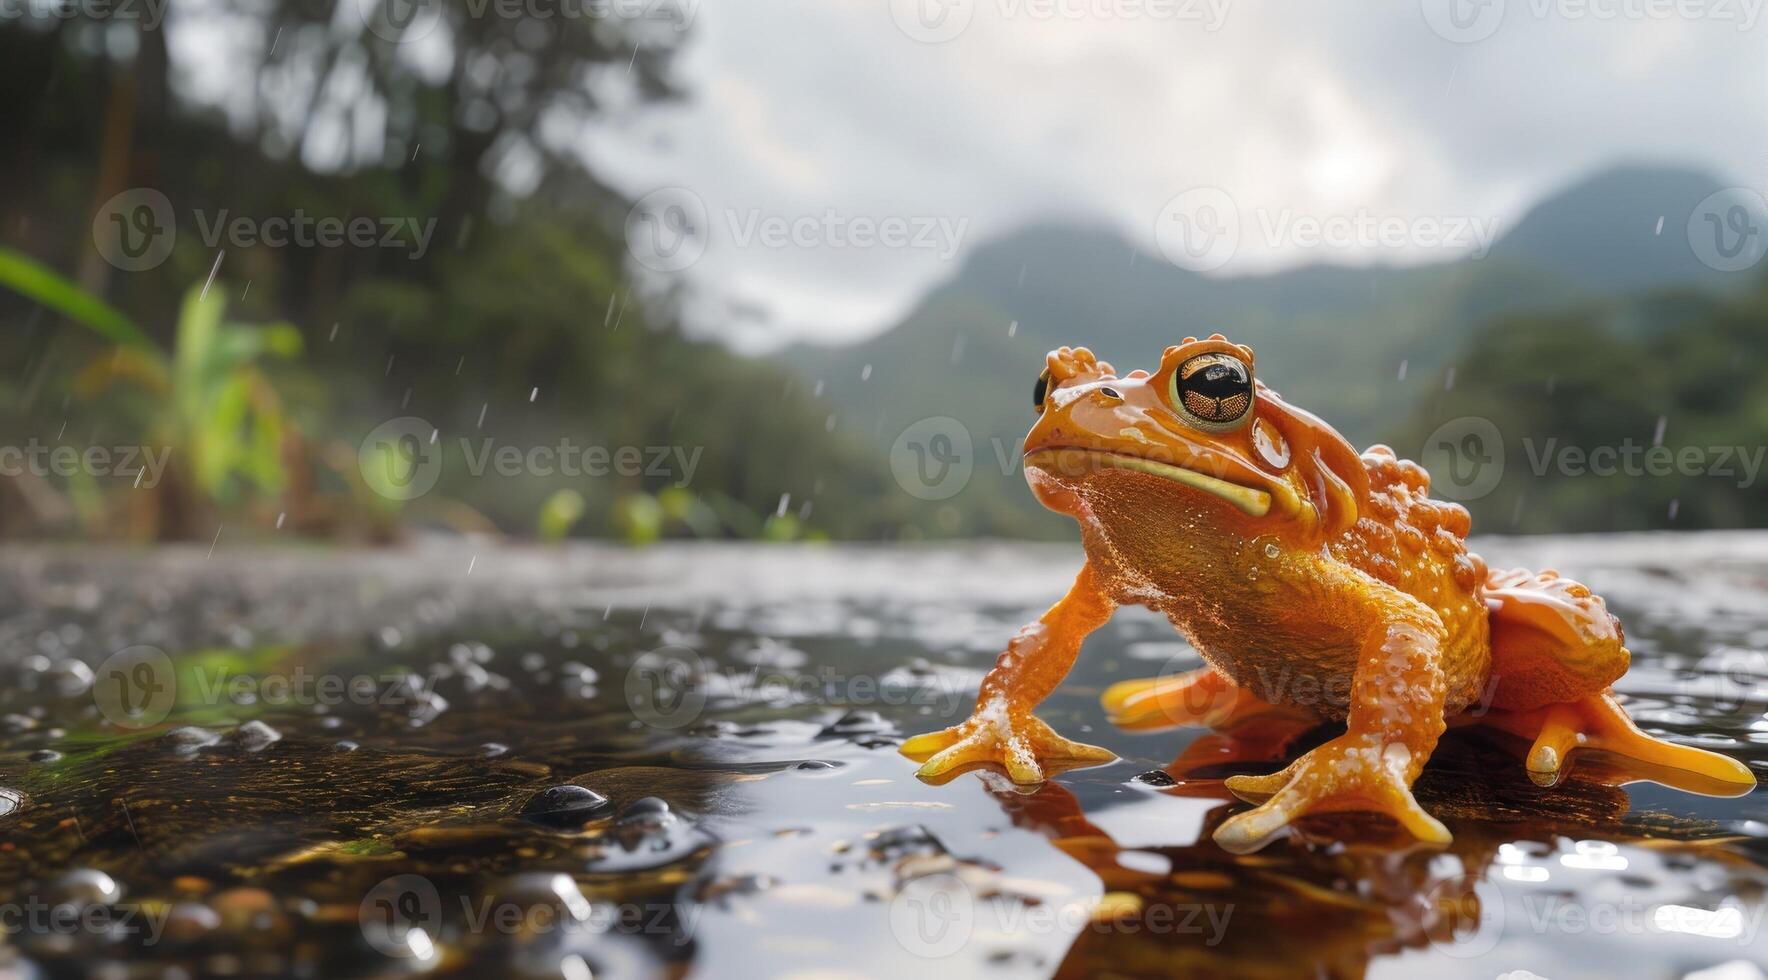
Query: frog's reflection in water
1343,891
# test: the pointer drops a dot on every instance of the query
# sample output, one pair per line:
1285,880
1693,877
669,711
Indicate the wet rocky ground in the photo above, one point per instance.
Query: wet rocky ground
473,759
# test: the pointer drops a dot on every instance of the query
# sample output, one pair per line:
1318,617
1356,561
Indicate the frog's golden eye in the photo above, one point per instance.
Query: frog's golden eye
1043,389
1213,391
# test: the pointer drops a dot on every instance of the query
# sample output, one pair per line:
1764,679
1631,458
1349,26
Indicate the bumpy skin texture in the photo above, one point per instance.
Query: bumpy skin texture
1311,579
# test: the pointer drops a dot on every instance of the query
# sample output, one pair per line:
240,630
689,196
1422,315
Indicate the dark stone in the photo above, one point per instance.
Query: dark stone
645,808
857,722
566,806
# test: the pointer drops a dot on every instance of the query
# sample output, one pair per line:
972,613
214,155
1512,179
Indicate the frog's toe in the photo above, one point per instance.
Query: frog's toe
1252,830
966,752
1022,746
1198,697
1599,722
1257,789
1326,781
923,747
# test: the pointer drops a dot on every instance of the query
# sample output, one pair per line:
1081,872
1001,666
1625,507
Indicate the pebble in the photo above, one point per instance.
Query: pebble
255,736
186,740
88,886
248,910
187,922
857,722
565,807
646,808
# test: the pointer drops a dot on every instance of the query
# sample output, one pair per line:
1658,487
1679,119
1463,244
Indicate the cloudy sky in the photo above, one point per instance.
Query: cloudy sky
1400,131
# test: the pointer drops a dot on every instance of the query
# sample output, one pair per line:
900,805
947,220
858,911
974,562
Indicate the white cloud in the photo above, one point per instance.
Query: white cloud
802,109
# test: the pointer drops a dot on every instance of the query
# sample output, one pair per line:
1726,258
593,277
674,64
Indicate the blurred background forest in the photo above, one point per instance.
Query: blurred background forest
509,308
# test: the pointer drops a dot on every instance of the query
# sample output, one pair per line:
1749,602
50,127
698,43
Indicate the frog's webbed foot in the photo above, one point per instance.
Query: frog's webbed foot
1351,772
1018,741
1599,722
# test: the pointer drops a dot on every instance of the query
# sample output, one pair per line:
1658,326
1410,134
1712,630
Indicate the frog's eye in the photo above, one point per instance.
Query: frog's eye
1213,391
1038,393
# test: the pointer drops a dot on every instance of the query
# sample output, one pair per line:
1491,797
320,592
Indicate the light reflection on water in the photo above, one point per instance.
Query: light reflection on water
795,838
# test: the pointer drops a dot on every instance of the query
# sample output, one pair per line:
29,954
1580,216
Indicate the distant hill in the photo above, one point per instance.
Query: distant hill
1602,233
1359,346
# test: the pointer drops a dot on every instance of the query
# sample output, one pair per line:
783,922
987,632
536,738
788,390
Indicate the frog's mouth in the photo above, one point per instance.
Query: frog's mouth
1075,460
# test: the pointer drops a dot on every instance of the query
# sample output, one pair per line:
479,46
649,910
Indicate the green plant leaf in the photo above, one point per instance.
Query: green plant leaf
41,284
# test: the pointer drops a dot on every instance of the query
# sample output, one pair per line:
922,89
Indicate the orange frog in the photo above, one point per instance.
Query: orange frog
1308,577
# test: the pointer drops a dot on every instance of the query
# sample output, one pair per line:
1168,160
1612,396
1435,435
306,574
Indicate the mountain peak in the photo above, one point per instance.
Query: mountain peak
1624,227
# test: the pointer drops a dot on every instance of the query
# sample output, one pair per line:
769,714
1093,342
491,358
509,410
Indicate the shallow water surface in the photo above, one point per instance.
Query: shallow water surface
459,759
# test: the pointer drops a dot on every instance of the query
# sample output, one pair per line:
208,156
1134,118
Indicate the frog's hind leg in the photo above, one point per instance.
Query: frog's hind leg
1552,640
1599,722
1555,651
1198,697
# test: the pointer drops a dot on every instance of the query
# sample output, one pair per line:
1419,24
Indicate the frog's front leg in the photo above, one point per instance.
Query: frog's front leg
1002,728
1396,715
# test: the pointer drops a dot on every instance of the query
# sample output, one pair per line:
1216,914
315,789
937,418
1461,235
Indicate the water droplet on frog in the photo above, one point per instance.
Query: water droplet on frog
1252,574
1271,549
